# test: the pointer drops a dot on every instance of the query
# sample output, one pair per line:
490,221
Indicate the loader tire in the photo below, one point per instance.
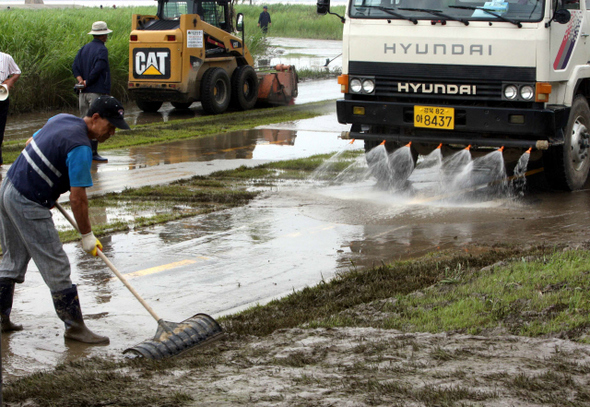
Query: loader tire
148,106
567,166
244,88
215,91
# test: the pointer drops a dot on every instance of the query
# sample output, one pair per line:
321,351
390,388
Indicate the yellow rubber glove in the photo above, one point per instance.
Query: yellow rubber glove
90,243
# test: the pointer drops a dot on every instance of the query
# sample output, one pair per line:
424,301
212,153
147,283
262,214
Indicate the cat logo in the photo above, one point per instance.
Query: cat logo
151,63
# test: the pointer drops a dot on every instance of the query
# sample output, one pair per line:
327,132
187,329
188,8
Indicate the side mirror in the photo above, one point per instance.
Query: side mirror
240,22
323,6
562,16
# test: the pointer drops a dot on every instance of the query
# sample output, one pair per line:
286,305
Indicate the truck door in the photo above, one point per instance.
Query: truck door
566,48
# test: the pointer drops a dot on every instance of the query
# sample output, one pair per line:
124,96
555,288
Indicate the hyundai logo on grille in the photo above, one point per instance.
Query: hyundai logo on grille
436,88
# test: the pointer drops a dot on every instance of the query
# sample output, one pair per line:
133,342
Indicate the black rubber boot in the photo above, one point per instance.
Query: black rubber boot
67,306
6,296
95,156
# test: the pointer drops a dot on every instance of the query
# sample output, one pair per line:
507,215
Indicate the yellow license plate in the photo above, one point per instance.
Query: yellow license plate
434,117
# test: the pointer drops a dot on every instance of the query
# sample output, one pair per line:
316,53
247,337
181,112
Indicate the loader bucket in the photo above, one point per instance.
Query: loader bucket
278,87
196,331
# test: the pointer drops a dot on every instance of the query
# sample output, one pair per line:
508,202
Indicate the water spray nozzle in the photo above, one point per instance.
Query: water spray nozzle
439,146
382,143
409,144
501,149
468,147
352,141
529,150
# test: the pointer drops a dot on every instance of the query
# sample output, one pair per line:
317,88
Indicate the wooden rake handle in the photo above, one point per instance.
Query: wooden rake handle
117,273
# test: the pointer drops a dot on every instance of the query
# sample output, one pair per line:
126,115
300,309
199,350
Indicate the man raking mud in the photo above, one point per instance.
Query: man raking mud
56,159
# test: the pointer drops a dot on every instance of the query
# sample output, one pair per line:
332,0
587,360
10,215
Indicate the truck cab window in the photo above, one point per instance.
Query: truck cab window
571,4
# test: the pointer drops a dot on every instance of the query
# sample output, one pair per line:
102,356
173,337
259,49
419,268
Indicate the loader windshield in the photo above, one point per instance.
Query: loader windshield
211,12
511,11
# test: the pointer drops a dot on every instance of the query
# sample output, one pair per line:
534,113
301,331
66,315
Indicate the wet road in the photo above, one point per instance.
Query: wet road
294,236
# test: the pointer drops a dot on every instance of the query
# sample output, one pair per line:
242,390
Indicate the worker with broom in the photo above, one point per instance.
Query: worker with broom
56,159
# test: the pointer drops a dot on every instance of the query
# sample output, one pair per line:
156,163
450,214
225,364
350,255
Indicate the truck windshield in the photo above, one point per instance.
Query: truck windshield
512,11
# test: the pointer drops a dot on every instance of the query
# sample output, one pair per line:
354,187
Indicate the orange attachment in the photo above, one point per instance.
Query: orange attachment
529,150
351,141
439,146
501,149
278,88
382,143
468,147
409,144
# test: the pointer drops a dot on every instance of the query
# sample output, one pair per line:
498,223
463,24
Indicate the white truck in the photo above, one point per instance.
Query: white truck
493,73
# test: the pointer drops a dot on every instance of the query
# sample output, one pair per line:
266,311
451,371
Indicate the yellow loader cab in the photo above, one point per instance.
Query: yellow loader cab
186,53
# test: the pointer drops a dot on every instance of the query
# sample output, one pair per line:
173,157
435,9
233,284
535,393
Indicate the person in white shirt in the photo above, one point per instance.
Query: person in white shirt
9,74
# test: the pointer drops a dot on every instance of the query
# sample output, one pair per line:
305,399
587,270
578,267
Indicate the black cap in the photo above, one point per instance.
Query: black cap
265,7
109,108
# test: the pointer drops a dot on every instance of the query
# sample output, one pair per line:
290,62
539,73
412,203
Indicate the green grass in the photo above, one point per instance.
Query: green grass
295,21
44,42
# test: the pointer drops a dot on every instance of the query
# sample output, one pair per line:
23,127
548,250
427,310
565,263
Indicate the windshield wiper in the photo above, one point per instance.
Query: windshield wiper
391,11
437,13
499,16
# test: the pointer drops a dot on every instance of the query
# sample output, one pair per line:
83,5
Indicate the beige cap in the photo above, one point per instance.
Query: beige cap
100,28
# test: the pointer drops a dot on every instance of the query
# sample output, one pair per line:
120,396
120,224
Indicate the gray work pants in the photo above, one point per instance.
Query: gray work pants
27,231
85,100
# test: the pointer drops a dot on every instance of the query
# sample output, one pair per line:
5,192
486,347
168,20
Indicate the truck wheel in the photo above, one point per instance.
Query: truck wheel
148,106
567,166
215,91
180,105
244,88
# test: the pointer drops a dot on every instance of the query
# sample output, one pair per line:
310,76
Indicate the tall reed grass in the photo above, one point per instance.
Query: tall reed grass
295,21
44,43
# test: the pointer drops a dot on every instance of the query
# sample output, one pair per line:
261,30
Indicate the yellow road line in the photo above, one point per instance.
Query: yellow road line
164,267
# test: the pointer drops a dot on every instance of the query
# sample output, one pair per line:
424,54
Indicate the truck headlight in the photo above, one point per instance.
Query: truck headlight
527,92
510,92
368,86
355,85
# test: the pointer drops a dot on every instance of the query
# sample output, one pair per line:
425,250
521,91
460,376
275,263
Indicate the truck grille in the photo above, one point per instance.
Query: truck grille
390,87
433,81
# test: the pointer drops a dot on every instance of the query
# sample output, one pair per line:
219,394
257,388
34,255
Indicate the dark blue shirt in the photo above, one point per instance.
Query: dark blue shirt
264,19
92,64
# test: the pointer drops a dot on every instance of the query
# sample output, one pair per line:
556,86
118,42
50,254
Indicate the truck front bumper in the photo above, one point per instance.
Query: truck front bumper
475,125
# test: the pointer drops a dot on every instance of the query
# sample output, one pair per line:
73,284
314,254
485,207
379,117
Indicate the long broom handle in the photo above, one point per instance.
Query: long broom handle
117,273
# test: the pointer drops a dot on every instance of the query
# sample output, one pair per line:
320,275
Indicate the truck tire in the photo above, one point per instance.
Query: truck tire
567,166
148,106
244,88
181,105
215,91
